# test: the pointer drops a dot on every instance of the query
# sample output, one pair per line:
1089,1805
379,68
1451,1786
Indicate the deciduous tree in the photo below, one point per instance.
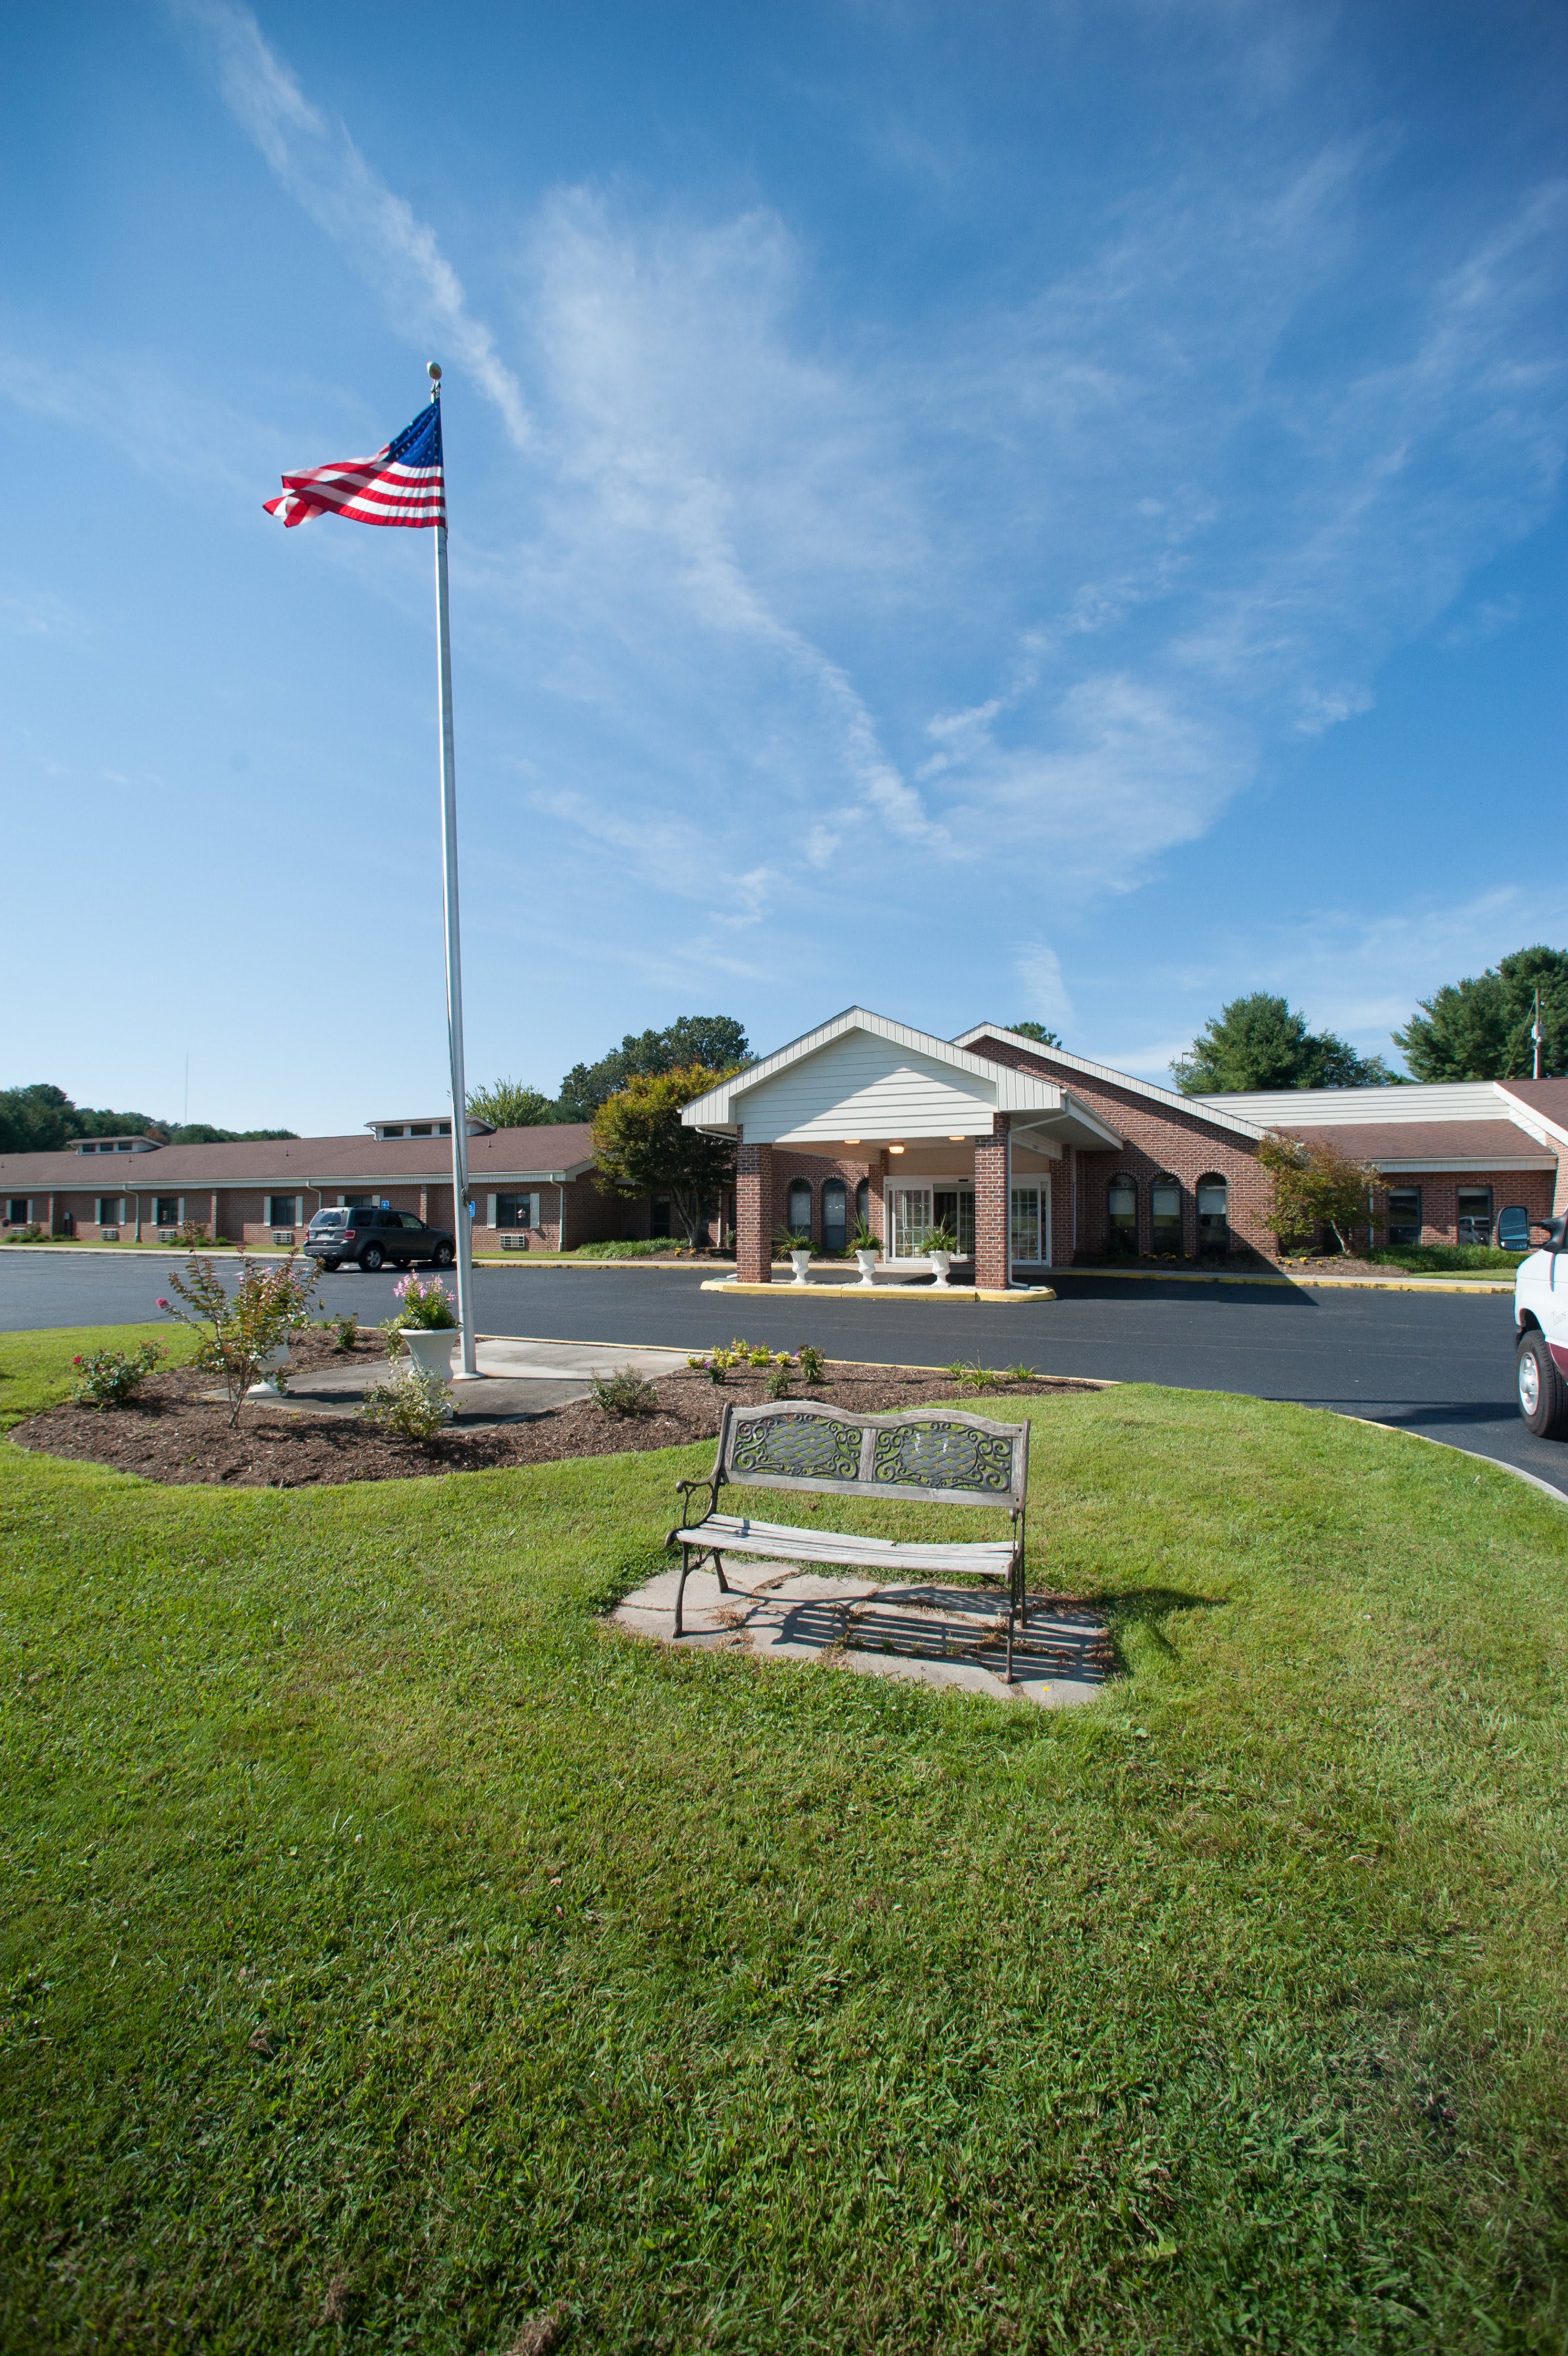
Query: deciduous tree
511,1104
717,1041
1315,1185
642,1147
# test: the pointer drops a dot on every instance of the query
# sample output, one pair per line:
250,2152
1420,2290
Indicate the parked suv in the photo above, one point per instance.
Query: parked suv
371,1237
1541,1321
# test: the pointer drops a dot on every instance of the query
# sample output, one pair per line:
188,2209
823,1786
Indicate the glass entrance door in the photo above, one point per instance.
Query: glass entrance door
909,1221
1025,1237
953,1208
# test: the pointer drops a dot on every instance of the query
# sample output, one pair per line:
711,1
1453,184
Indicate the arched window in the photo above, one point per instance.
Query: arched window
799,1218
1165,1218
862,1204
835,1215
1213,1216
1121,1214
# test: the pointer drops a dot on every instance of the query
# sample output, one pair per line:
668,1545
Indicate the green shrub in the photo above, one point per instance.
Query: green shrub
110,1377
625,1392
409,1402
971,1376
630,1248
779,1380
1440,1259
812,1363
31,1234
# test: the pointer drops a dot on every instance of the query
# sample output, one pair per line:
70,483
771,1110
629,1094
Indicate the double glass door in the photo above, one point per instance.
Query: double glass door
913,1212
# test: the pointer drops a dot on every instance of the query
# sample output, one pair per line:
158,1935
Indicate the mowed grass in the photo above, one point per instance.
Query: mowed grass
393,1952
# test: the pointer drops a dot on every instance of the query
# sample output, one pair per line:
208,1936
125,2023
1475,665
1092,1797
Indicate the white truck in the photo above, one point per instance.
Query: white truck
1541,1325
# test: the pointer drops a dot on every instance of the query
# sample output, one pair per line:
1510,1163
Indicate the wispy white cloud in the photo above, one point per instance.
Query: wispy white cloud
319,165
1039,970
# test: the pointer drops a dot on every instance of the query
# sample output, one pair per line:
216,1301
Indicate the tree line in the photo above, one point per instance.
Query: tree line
1478,1029
41,1118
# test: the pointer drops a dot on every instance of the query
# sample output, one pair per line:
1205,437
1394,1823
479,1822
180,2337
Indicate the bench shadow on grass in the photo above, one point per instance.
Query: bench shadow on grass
1147,1609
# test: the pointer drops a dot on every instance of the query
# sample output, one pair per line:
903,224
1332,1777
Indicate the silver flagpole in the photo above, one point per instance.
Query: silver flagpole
460,1220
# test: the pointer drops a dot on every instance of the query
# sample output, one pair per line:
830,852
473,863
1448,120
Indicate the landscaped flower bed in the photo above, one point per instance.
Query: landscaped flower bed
169,1432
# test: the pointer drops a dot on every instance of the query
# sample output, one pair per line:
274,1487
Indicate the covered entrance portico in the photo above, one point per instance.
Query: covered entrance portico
927,1136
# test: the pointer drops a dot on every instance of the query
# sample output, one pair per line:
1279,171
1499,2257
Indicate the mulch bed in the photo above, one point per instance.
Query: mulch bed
170,1433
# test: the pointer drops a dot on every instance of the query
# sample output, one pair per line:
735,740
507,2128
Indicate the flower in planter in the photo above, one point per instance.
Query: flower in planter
426,1305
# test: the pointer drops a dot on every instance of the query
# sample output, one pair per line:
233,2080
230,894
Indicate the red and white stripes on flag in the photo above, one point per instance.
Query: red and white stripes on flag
404,483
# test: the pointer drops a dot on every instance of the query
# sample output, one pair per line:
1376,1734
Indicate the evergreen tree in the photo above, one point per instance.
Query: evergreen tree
1479,1029
1260,1042
1036,1030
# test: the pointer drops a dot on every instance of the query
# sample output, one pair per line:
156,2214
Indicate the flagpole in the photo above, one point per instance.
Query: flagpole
462,1224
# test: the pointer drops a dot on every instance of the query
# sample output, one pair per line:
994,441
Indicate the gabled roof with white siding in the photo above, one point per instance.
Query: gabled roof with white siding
863,1077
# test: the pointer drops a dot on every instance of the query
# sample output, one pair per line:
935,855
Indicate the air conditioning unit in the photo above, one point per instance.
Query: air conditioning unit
108,1234
169,1235
282,1235
514,1243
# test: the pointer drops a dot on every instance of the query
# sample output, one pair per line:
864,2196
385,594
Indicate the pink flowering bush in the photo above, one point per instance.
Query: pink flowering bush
241,1330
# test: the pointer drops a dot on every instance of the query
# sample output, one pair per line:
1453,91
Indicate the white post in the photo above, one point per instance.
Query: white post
462,1235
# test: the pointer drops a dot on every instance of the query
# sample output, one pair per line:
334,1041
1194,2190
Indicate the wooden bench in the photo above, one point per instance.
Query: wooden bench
928,1456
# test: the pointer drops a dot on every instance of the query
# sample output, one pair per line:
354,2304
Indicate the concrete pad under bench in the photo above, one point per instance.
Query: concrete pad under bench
934,1635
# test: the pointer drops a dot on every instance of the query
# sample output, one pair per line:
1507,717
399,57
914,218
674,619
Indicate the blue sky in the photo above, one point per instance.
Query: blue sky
1049,509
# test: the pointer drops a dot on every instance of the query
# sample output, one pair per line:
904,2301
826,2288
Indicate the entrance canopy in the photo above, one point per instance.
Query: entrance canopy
862,1081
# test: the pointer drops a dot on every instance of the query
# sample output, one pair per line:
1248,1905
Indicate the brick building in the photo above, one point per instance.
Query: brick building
1035,1158
532,1188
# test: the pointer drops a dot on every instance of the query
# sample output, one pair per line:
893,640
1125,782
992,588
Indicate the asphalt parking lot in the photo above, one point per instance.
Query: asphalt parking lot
1438,1363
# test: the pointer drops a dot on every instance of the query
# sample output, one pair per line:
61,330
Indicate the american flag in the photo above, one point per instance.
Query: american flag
402,484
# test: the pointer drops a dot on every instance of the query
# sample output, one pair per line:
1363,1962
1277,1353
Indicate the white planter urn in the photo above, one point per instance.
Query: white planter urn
866,1262
269,1366
941,1263
430,1347
801,1262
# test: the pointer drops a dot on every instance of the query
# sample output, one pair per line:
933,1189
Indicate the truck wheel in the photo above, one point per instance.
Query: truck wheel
332,1266
1542,1395
442,1256
372,1258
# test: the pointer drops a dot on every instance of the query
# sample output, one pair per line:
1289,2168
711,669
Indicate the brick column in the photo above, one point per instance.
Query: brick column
991,1208
754,1214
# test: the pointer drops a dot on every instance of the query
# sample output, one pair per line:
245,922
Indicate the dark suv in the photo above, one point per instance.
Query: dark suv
372,1236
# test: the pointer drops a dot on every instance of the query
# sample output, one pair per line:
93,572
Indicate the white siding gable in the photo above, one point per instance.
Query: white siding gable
863,1086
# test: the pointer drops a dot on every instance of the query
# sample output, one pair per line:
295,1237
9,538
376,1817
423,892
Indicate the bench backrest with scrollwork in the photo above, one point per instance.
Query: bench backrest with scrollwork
925,1455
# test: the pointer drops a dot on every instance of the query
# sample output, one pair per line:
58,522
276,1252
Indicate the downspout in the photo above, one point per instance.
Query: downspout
560,1217
138,1236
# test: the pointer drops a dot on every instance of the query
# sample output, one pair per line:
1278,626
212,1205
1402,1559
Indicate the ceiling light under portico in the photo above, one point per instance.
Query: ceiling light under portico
894,1149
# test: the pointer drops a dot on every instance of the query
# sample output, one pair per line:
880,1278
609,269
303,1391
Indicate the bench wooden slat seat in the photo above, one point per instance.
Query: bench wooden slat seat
929,1456
846,1549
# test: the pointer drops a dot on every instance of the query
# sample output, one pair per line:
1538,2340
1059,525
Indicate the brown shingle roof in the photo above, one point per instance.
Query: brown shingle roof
279,1162
1432,1145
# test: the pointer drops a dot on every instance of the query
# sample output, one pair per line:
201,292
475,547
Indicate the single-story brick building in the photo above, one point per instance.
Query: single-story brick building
532,1188
1036,1158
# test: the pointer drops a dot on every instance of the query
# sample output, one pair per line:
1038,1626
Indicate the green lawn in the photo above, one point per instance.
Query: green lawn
374,1918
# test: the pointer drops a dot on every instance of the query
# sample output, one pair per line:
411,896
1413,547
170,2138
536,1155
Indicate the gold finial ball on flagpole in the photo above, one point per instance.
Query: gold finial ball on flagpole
432,370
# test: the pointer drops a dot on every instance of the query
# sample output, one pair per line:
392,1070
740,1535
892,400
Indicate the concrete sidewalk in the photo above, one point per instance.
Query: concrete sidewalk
934,1635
